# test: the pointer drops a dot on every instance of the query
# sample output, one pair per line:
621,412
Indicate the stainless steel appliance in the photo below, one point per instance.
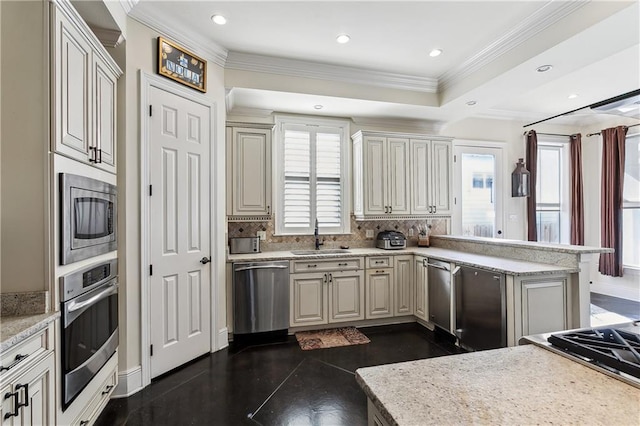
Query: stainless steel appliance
391,240
244,245
439,279
613,350
88,218
260,297
89,305
481,313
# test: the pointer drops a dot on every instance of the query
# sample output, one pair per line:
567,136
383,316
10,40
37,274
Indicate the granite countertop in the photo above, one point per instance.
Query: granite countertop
495,264
14,330
560,248
518,385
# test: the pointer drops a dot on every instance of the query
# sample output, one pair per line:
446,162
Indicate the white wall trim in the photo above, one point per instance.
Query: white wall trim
146,82
222,339
309,69
129,382
535,23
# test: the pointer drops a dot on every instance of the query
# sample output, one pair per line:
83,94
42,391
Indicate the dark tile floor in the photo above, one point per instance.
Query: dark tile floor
626,308
274,384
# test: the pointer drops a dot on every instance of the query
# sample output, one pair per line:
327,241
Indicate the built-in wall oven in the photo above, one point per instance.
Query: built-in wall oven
88,218
89,306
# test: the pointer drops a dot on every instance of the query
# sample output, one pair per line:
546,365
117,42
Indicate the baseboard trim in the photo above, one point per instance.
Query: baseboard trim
223,339
129,382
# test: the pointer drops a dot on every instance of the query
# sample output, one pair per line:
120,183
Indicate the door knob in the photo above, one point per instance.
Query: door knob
205,260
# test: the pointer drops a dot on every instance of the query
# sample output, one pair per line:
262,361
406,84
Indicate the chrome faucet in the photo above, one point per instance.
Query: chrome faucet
316,234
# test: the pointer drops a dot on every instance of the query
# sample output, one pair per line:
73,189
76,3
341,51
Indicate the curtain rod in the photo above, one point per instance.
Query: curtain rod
597,133
551,134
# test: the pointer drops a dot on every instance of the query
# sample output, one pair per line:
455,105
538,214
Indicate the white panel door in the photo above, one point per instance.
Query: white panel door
375,175
180,306
398,176
252,171
308,299
346,296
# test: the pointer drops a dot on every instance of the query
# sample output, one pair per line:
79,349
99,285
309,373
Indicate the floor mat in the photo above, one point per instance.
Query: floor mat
331,338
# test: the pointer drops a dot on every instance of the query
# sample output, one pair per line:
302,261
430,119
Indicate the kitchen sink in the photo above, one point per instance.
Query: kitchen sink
325,251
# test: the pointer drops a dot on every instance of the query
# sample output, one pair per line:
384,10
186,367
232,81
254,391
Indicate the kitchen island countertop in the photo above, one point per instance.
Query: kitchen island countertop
518,385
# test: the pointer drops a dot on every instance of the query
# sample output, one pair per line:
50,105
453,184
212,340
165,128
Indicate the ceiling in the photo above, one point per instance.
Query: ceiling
490,54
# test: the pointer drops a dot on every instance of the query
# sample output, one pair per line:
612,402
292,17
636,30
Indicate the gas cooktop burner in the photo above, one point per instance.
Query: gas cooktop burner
613,349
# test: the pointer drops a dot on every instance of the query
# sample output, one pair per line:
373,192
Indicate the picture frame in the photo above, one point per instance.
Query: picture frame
179,64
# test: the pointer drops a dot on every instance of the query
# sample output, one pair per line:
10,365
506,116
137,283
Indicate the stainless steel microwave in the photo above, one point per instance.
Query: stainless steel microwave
88,218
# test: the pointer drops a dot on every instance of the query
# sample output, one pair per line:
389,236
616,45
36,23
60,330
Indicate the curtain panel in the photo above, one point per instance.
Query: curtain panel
532,166
577,197
612,180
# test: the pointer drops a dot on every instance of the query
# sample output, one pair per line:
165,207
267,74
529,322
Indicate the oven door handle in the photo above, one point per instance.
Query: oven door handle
75,306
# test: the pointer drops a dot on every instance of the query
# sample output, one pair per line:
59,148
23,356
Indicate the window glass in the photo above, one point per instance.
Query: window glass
631,204
552,205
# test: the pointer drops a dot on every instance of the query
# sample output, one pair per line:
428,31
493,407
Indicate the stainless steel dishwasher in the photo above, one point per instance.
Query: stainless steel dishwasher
481,311
260,297
439,279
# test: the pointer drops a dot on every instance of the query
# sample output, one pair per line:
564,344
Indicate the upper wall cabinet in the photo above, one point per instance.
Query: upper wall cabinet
248,170
431,169
84,93
401,174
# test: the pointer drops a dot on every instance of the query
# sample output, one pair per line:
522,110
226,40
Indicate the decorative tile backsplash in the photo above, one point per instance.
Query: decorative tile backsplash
357,238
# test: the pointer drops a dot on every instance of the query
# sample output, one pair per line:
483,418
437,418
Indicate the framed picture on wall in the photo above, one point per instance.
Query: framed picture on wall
181,65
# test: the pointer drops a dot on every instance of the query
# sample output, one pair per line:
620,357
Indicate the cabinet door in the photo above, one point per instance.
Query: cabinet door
421,293
544,305
251,178
398,176
379,293
73,88
6,406
308,299
403,280
105,116
346,296
375,176
420,176
441,173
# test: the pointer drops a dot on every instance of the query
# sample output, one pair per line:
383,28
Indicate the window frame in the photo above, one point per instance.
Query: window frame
561,144
629,206
307,123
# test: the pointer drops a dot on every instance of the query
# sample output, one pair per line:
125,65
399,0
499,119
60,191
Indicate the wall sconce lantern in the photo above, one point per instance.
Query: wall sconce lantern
520,186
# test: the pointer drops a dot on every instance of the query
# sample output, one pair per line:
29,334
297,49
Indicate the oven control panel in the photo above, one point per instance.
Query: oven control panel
96,275
85,279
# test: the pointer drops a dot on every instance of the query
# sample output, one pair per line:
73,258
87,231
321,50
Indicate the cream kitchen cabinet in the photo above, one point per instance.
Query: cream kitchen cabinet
27,381
380,287
431,176
421,290
381,174
84,93
404,298
327,297
249,169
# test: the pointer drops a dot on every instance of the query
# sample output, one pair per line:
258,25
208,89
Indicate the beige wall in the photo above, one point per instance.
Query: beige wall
141,46
24,141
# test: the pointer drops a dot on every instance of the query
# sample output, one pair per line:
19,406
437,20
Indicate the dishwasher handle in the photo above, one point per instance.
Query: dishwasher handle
444,268
248,268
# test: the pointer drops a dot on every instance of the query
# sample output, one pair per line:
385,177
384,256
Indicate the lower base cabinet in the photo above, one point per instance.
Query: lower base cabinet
380,293
541,305
421,309
327,297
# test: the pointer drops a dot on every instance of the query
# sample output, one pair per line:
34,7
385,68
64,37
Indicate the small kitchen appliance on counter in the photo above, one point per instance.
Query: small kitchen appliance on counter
391,240
244,245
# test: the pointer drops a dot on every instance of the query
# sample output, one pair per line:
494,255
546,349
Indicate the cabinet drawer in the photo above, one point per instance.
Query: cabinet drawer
319,265
98,400
18,355
379,262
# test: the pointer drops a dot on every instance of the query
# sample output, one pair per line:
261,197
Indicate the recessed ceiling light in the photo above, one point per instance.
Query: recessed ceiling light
573,96
544,68
318,106
471,103
219,19
435,52
343,38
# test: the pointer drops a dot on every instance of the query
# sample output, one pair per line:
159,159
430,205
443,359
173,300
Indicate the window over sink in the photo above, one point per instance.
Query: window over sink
312,175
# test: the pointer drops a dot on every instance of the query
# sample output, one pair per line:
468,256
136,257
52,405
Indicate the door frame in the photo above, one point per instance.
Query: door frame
457,185
216,162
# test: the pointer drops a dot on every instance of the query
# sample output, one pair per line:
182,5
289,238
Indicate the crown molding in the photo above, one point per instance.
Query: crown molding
128,5
201,46
308,69
108,38
403,125
535,23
